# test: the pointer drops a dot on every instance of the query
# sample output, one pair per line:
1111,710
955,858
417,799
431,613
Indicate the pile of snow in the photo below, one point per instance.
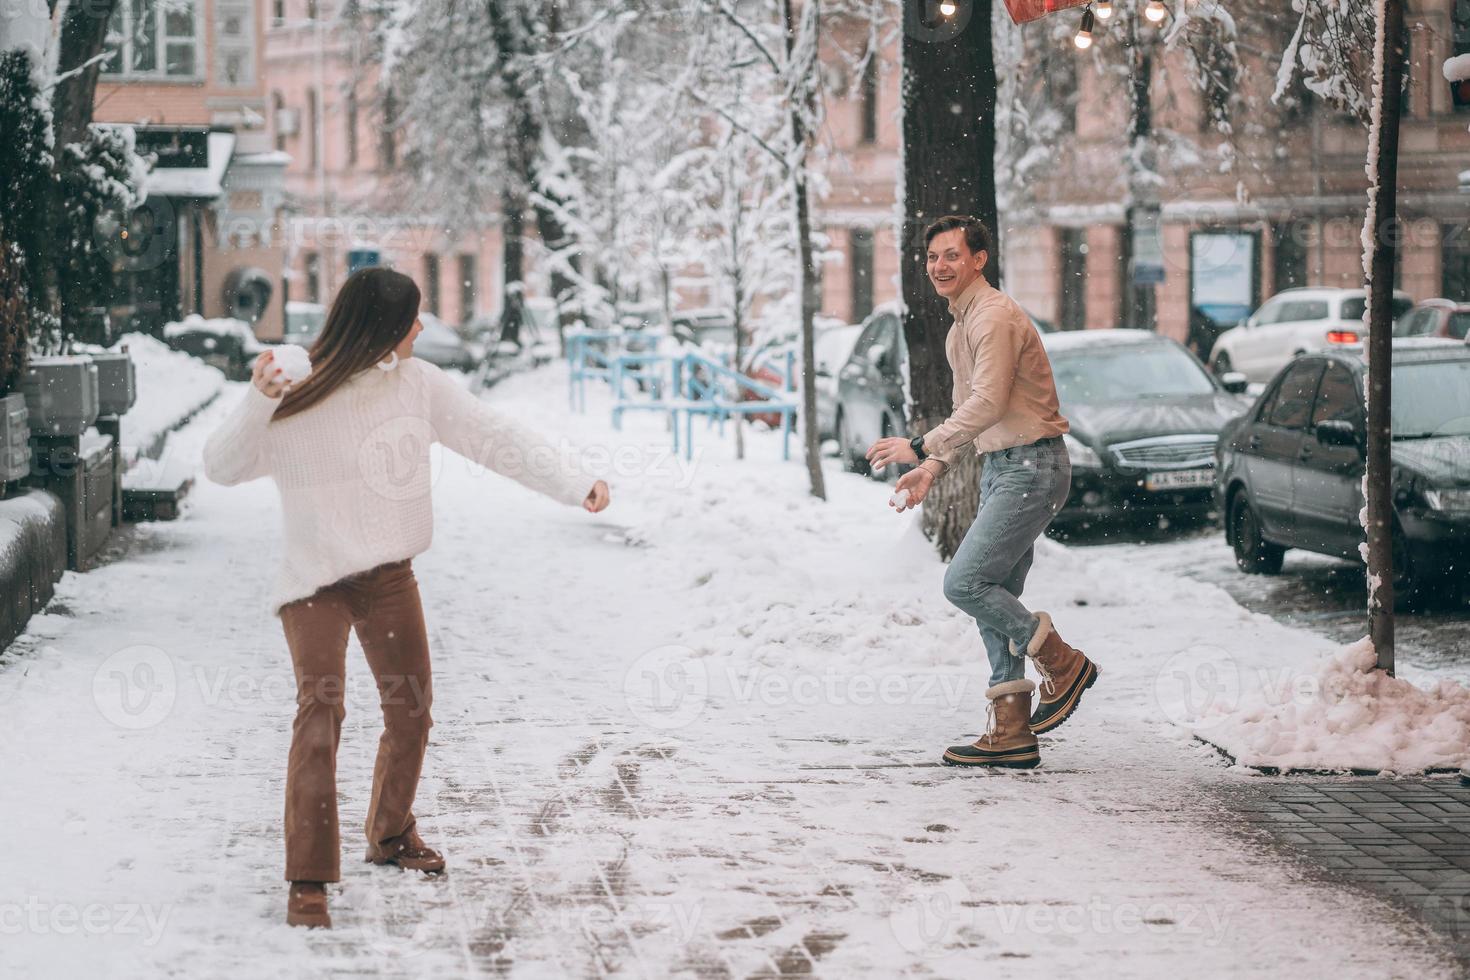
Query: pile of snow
223,326
172,386
1346,716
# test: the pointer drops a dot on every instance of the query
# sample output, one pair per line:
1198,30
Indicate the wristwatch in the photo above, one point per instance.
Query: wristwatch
917,444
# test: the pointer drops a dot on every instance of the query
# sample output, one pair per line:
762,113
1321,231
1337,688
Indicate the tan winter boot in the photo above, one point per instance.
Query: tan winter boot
409,852
1009,743
307,905
1065,674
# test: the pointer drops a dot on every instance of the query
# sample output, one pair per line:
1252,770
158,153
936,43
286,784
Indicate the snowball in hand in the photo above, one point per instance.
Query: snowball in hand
293,362
899,500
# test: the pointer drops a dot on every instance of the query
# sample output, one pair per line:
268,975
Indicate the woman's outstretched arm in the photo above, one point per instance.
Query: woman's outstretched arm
476,431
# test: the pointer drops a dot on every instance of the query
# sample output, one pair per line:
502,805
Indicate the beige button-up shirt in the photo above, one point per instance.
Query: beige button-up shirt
1004,394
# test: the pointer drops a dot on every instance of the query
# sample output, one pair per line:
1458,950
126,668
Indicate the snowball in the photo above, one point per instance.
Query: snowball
899,500
292,360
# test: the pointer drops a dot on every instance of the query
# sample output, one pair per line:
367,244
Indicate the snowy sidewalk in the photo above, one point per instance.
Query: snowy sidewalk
696,735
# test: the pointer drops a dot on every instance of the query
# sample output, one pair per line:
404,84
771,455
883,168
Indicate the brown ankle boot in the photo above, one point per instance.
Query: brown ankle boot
1009,742
1065,674
307,905
409,852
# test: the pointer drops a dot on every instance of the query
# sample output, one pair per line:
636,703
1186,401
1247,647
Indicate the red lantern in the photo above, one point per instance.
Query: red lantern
1022,11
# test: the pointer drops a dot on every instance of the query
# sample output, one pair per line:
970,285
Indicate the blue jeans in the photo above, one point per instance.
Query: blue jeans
1021,490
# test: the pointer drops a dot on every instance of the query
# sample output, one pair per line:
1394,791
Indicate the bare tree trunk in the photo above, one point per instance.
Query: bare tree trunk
513,266
1381,225
83,33
946,171
810,301
554,237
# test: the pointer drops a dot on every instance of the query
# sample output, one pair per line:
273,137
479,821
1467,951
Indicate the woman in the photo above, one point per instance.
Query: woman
348,448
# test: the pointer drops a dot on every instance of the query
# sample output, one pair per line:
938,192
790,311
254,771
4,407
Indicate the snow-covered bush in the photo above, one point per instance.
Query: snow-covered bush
26,186
99,181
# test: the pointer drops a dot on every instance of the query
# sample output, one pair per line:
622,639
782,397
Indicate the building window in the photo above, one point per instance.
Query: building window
861,240
234,62
468,288
387,138
278,114
1072,314
351,110
1289,264
158,39
1455,252
311,10
1462,36
431,283
278,12
313,109
870,101
313,265
1059,83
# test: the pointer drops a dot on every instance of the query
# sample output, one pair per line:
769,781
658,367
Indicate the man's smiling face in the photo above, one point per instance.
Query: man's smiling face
951,265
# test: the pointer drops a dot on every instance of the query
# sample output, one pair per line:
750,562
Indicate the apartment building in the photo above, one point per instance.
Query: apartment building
187,75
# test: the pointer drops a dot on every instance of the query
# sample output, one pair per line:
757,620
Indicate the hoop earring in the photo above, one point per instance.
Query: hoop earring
390,363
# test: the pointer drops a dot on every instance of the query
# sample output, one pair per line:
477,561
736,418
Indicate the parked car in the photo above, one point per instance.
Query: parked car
1291,469
304,322
1145,419
871,403
441,344
705,327
223,342
833,346
1435,318
1294,322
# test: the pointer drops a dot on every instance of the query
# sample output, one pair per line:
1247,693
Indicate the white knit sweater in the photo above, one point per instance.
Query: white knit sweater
353,470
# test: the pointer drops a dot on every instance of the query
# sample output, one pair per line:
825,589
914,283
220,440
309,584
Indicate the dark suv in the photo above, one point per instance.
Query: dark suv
1291,469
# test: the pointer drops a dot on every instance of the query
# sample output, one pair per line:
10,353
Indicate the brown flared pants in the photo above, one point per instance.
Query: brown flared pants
382,605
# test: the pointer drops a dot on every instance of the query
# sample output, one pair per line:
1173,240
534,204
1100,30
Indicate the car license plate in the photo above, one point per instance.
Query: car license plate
1179,479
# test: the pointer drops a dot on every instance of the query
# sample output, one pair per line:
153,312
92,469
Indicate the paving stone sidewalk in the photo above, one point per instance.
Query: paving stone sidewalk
1405,840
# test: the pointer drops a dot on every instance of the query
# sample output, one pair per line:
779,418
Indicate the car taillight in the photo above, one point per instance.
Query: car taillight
1341,337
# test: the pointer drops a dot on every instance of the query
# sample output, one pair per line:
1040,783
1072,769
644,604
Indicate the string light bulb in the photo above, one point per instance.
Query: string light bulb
1083,39
948,8
1156,11
1104,9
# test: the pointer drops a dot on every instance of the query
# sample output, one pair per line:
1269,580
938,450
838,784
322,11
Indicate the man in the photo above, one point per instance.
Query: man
1006,405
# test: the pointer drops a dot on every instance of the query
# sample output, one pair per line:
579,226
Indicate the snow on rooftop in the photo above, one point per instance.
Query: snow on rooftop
203,181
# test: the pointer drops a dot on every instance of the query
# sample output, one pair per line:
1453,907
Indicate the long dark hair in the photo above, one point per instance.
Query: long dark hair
373,312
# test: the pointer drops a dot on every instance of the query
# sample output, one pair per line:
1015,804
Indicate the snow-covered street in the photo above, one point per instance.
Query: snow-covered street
697,734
